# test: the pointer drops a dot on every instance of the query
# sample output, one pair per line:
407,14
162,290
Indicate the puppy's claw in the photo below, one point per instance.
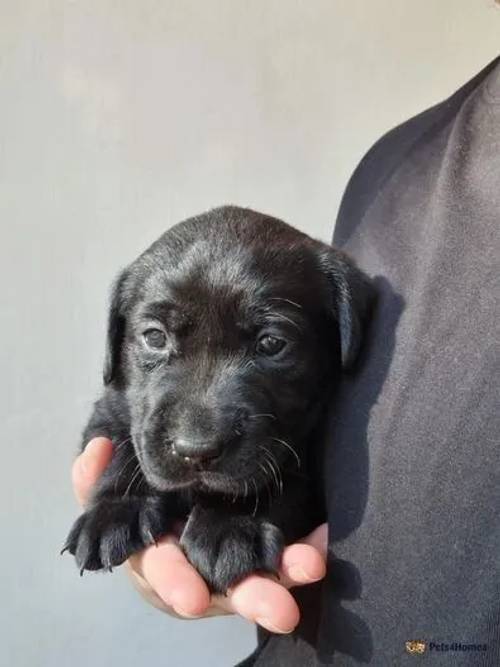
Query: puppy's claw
107,534
152,539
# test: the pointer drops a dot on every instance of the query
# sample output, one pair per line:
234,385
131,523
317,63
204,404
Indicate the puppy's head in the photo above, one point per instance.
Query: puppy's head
225,336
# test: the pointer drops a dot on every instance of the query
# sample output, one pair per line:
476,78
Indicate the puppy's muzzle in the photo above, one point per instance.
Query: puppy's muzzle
202,434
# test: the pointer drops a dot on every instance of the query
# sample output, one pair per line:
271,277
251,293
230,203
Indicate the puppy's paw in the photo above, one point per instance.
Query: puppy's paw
111,531
224,549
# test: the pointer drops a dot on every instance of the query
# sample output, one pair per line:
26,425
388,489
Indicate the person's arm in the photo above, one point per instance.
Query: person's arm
165,578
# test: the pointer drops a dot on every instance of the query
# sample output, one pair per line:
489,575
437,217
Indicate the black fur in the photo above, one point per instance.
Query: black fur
208,428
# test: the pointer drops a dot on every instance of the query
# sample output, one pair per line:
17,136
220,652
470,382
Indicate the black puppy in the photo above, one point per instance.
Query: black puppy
225,338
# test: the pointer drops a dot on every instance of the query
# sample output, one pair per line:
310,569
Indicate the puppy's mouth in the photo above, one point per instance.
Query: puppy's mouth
194,476
170,470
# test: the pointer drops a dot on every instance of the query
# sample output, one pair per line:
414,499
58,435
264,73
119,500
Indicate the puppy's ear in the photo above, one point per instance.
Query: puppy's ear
352,298
116,329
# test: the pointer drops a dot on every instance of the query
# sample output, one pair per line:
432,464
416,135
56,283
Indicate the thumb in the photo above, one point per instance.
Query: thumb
89,466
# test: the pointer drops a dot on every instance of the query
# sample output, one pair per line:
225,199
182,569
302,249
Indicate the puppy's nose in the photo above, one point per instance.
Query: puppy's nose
197,450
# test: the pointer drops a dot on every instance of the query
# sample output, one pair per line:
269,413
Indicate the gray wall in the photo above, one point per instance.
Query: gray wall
116,120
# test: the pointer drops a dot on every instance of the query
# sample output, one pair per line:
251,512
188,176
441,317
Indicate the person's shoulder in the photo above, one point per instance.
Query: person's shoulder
384,157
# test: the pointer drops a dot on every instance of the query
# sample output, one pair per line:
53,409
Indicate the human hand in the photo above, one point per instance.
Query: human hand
165,578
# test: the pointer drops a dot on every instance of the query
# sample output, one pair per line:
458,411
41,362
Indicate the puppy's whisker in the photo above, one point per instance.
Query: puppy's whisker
122,443
256,496
293,303
265,471
123,468
286,444
269,466
263,414
276,471
137,471
141,482
274,476
130,458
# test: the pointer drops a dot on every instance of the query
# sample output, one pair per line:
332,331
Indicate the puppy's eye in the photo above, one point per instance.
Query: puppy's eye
270,346
155,339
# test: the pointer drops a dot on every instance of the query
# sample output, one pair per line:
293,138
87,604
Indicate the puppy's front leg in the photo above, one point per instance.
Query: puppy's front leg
124,516
226,547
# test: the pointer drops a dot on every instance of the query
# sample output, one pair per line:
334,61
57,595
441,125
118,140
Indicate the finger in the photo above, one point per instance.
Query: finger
89,466
147,592
265,602
174,580
318,539
304,562
301,564
142,586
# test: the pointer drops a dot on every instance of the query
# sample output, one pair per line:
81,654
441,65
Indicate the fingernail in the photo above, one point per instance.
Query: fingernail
171,600
297,573
95,443
84,456
266,623
182,612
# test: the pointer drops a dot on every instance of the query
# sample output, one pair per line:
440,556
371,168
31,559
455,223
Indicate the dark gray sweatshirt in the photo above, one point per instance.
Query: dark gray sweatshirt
412,463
